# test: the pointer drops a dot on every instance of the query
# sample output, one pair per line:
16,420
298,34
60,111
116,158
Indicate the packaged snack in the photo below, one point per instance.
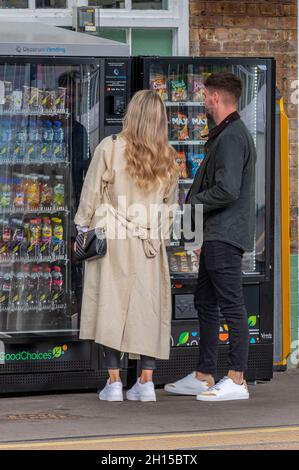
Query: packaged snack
158,83
196,88
197,124
182,162
178,90
179,126
194,161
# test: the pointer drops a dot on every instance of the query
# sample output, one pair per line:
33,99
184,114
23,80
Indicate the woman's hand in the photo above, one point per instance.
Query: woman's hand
75,246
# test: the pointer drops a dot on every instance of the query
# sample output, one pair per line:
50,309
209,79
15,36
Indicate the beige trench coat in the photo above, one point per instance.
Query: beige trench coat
126,301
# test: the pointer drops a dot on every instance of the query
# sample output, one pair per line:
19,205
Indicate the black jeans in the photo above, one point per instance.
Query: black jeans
219,286
112,360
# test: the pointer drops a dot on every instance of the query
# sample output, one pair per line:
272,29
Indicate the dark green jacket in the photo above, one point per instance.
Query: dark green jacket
225,186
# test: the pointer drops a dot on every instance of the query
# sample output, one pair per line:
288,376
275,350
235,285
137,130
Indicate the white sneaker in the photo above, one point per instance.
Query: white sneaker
112,392
226,389
142,392
189,385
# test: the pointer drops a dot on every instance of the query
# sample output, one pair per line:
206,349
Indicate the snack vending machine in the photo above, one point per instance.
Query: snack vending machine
180,82
52,116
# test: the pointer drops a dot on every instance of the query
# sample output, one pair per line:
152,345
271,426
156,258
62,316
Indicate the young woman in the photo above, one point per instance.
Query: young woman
126,304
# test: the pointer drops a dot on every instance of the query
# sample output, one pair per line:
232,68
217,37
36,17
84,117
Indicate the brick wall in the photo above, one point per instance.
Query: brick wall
255,28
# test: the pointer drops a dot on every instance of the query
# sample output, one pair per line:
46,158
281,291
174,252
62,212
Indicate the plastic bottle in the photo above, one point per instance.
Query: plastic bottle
59,191
18,238
32,287
47,234
33,140
5,239
6,194
21,134
33,134
48,134
35,240
5,290
58,132
19,192
59,144
57,240
33,192
46,192
57,285
45,286
17,288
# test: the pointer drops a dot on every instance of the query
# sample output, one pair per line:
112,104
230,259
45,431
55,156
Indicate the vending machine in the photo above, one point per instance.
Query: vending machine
59,97
180,83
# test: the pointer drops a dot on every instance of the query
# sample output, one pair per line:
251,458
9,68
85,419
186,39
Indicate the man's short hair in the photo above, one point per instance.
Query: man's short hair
227,82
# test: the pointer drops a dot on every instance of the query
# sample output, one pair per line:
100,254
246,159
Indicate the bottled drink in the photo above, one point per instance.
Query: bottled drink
33,134
18,238
17,288
57,240
57,285
59,145
58,132
5,289
45,286
33,192
59,191
6,193
46,237
19,192
5,238
48,134
7,131
32,287
21,134
35,237
46,192
47,142
33,140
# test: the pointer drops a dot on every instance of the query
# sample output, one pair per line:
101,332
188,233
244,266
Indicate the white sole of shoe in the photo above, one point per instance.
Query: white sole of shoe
213,399
144,399
178,392
111,399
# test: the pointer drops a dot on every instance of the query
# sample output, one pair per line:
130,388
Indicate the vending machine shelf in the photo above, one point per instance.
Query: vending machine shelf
24,113
187,142
198,104
57,164
36,308
35,260
40,210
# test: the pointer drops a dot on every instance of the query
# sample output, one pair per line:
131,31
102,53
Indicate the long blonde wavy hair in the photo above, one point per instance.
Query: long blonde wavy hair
150,158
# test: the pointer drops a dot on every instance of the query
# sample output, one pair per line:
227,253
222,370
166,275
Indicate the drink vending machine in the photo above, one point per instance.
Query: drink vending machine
58,98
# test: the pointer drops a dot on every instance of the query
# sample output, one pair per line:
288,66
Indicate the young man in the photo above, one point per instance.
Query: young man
225,186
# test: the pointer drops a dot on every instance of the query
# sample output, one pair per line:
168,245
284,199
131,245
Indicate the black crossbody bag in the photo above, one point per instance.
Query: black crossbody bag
93,243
